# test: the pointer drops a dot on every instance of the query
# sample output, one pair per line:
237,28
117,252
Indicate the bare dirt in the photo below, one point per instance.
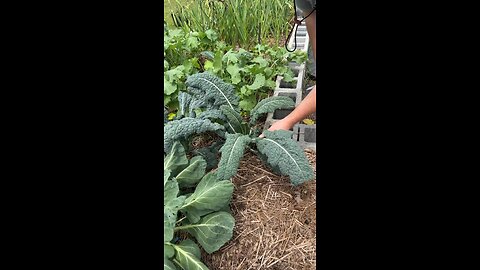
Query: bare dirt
275,222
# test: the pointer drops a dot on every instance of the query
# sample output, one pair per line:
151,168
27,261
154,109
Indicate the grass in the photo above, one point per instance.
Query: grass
238,22
171,6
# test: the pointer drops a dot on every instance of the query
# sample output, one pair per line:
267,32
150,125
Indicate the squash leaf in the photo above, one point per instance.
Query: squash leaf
232,151
286,155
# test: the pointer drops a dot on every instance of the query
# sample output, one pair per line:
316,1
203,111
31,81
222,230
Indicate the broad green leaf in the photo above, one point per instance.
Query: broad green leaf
166,99
213,230
232,58
268,72
176,158
193,173
234,72
258,83
212,35
168,265
217,62
170,210
168,251
270,84
166,175
288,77
208,65
171,205
210,195
187,256
232,151
185,127
175,74
248,103
165,64
234,120
261,61
192,42
286,155
245,91
168,87
270,104
170,192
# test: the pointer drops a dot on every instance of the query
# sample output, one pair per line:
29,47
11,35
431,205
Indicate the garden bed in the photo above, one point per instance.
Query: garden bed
275,222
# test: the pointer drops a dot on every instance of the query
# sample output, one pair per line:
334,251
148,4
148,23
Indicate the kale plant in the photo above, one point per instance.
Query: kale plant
204,212
210,99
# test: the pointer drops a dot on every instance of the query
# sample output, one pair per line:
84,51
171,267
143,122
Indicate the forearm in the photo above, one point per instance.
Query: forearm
304,109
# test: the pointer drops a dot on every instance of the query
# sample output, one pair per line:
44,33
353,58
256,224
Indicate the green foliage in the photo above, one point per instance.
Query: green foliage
232,152
212,89
210,195
238,22
284,154
187,256
201,214
270,105
213,230
252,74
182,129
278,150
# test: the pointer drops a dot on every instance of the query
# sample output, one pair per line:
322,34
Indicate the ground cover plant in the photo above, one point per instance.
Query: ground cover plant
203,214
210,105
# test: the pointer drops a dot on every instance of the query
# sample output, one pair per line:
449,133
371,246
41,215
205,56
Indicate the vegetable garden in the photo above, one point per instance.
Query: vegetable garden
232,200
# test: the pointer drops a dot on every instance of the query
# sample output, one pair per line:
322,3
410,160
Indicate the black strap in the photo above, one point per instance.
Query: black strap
298,23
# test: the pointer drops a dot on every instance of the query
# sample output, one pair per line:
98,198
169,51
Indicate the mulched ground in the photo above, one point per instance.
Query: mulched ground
275,223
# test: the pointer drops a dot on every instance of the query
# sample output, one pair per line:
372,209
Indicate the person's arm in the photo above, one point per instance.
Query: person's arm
308,104
304,109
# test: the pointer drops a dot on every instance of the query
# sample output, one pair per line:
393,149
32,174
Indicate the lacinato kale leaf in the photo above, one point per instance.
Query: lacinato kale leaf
286,155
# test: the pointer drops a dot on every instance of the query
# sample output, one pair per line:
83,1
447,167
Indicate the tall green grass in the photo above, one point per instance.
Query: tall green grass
238,22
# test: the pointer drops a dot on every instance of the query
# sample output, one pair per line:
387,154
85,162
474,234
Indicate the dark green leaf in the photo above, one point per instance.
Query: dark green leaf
286,155
232,151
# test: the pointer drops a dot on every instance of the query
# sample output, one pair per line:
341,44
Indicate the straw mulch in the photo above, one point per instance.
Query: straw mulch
275,223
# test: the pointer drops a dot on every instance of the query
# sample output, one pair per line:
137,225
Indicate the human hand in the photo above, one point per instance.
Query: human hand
281,124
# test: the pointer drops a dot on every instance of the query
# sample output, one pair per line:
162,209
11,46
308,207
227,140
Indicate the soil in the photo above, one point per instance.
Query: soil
275,222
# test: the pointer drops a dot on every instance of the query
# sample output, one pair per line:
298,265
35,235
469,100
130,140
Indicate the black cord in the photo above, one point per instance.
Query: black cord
298,23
